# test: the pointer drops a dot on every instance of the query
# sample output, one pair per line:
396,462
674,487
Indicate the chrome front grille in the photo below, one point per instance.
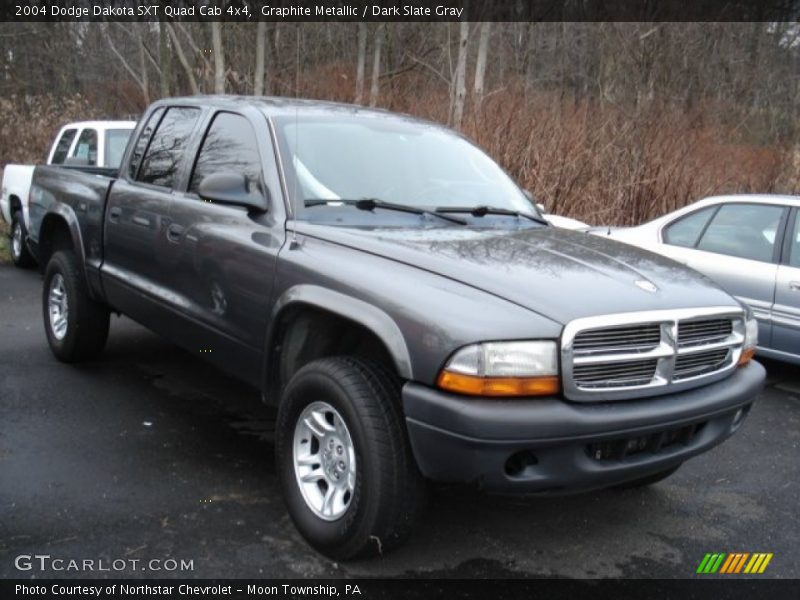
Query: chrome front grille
632,355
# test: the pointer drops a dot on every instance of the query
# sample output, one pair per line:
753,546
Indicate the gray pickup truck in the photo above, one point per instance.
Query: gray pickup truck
400,300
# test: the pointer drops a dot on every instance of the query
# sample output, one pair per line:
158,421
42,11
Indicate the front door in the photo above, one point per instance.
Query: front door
786,312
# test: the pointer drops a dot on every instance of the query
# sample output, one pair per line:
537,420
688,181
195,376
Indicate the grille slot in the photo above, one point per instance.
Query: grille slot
707,331
639,372
632,355
692,365
633,338
653,443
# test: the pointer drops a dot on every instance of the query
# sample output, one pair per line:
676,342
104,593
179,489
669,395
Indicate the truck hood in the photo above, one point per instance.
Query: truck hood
560,274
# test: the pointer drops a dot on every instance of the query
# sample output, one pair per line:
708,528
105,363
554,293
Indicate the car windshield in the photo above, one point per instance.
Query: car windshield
116,140
389,160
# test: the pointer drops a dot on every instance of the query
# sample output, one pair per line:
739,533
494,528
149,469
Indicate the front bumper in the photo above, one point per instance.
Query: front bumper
556,446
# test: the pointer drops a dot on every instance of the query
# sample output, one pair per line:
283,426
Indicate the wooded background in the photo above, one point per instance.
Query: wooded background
612,123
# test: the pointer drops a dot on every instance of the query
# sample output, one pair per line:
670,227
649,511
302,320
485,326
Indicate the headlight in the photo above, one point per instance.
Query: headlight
750,339
503,369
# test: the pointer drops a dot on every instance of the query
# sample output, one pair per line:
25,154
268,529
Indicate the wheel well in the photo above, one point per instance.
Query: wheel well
14,203
54,235
303,334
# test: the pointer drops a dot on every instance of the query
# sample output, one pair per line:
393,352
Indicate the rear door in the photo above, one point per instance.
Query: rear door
137,215
223,257
786,312
735,245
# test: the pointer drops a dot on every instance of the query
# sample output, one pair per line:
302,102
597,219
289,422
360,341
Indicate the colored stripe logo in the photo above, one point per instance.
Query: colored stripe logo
736,562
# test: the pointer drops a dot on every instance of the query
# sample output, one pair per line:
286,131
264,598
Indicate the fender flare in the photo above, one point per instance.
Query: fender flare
369,316
64,212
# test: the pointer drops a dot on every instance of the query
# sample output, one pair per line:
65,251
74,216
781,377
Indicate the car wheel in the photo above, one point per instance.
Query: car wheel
76,325
348,477
19,250
648,480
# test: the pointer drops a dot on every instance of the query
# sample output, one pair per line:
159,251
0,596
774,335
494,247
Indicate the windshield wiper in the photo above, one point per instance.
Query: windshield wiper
371,204
482,211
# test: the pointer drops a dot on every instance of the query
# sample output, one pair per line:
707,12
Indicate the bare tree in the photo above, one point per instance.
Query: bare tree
480,64
460,84
219,57
361,62
141,77
261,39
374,89
164,59
187,68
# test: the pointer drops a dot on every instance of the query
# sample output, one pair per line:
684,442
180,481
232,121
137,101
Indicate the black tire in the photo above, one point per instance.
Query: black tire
648,480
87,320
389,491
22,258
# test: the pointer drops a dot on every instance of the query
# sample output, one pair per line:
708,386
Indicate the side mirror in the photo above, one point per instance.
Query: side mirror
232,188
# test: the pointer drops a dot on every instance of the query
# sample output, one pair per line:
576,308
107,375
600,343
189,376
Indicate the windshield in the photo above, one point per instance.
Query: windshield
116,140
391,160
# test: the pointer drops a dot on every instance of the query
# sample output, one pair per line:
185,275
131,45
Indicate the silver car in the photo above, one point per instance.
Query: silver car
748,244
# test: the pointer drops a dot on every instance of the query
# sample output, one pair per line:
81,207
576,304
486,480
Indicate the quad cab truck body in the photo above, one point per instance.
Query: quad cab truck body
400,301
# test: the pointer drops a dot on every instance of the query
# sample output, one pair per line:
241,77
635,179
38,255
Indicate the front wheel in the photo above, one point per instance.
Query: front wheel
19,250
349,480
76,325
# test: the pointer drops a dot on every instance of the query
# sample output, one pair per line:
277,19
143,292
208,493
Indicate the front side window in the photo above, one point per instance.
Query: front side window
86,148
167,147
743,230
229,147
62,147
686,230
116,141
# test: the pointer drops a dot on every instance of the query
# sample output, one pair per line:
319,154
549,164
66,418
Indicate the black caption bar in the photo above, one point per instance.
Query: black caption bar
411,589
400,10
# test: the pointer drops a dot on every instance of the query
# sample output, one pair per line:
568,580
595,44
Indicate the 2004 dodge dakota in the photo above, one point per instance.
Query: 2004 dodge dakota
400,300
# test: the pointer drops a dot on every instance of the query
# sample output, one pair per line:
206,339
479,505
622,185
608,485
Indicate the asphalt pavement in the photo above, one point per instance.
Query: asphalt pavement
149,454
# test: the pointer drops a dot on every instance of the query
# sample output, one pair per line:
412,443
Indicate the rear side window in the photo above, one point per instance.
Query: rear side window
167,147
116,141
743,230
86,148
62,147
794,249
229,147
142,141
686,231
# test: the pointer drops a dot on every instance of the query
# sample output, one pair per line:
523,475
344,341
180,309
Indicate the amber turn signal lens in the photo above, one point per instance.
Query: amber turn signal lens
747,356
498,386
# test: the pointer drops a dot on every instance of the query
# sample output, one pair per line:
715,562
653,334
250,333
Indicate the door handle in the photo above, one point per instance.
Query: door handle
141,221
114,213
794,286
174,233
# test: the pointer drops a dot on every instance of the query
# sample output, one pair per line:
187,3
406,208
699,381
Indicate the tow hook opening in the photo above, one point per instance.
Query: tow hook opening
738,417
518,462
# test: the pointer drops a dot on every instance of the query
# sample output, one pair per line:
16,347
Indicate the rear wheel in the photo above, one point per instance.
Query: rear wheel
76,325
19,249
349,480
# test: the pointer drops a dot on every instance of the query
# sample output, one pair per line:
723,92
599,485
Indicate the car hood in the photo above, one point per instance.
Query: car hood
560,274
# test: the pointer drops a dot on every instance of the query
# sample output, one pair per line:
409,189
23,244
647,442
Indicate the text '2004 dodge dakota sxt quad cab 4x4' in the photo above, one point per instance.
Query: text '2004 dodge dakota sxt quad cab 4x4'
400,300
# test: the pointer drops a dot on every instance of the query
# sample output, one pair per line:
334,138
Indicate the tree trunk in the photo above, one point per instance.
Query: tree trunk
460,84
374,90
261,38
164,59
219,57
361,62
480,65
176,43
143,67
